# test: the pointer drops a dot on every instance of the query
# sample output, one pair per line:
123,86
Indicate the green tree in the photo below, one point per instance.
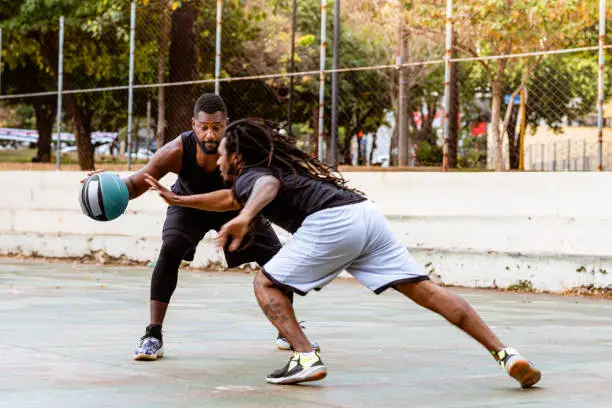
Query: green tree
96,51
495,27
364,96
379,24
21,75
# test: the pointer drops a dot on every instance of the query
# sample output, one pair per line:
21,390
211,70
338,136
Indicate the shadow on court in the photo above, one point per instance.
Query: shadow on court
68,332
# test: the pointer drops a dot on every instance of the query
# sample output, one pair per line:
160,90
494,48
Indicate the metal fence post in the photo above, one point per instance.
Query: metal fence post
600,81
292,68
218,46
0,60
447,69
334,113
131,85
60,76
149,125
322,79
522,126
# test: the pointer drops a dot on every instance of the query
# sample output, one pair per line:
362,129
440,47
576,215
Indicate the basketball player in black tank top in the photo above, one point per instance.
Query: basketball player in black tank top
193,156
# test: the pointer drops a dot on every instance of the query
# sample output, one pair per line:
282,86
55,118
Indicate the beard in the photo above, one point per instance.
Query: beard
209,147
231,174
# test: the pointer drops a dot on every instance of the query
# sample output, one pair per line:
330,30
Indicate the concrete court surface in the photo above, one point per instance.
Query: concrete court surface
68,330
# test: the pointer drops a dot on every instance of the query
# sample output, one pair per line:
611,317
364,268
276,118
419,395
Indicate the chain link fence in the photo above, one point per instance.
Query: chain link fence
522,83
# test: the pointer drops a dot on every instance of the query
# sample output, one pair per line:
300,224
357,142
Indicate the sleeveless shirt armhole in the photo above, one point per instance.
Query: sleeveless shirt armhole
184,147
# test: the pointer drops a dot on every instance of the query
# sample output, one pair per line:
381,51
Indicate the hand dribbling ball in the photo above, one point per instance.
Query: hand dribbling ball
103,196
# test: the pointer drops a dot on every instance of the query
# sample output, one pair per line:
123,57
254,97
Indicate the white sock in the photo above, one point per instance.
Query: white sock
308,355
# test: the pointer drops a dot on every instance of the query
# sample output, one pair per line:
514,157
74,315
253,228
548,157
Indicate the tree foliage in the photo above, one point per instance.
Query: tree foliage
256,40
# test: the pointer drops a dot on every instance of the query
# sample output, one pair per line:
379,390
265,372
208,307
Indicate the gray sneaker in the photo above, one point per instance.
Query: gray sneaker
150,349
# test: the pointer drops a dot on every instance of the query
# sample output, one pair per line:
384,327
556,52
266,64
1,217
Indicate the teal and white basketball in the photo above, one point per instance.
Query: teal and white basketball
103,196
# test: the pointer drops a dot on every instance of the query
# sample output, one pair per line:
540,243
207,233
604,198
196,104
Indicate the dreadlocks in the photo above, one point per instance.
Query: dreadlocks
259,143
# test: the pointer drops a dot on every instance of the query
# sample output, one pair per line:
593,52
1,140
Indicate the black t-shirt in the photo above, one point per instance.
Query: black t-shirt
298,196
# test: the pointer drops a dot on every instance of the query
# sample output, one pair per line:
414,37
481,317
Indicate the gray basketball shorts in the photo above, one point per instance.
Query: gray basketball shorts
354,237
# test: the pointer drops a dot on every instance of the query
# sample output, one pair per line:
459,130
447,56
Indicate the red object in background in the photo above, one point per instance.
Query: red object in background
359,135
479,129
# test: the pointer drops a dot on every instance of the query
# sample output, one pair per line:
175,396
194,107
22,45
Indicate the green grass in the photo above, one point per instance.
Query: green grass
17,156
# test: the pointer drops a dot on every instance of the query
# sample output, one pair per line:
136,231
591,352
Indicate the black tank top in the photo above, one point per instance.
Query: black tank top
192,178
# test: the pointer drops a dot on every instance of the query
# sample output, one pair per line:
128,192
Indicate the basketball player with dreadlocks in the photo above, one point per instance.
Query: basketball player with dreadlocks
193,157
335,228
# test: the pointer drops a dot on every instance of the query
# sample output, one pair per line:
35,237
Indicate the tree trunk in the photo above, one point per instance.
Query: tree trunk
45,110
182,68
360,142
495,117
393,157
498,137
161,77
453,113
513,139
404,100
327,141
374,146
81,121
427,132
510,118
346,149
314,150
81,127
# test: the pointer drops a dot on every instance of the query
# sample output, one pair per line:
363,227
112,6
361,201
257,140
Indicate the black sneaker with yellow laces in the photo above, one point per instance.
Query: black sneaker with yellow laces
300,368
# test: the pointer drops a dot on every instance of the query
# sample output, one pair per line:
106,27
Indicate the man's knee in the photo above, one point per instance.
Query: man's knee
422,292
165,273
174,247
262,281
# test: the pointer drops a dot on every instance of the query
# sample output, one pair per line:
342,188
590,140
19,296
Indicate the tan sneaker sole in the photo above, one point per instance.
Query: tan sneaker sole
525,373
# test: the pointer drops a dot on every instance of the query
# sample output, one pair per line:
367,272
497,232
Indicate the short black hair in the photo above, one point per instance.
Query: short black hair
209,103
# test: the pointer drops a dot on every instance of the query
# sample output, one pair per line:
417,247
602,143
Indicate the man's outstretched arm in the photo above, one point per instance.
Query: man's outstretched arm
218,201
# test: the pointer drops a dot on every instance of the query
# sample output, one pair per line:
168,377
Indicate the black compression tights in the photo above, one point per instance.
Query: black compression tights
165,274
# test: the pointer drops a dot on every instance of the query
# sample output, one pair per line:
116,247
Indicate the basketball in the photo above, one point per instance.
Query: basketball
103,196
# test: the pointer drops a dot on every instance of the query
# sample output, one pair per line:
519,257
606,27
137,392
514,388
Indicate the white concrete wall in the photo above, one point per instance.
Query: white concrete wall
552,230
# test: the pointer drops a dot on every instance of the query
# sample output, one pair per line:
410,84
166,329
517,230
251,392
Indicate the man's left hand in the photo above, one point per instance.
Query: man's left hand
234,231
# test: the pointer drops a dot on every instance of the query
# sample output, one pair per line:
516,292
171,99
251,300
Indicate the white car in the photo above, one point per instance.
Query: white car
68,149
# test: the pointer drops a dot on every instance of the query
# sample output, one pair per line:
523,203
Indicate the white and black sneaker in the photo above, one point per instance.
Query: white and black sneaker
150,349
299,369
517,367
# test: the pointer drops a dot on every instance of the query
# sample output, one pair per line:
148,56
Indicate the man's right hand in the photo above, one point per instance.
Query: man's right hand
91,174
